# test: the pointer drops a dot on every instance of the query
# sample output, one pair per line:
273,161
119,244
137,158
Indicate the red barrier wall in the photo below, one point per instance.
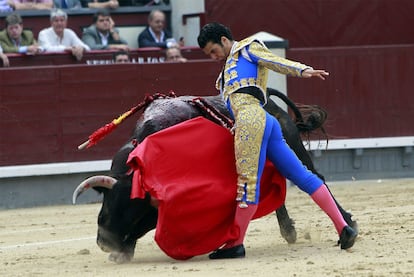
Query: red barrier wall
315,23
369,92
46,112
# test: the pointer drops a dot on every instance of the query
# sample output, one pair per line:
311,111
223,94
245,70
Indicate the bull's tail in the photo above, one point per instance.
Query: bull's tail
308,118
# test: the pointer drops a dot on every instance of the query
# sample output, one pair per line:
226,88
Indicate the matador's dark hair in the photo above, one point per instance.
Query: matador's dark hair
212,32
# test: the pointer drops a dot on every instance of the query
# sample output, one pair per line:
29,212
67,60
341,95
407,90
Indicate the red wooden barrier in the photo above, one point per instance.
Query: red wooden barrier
316,23
46,112
369,92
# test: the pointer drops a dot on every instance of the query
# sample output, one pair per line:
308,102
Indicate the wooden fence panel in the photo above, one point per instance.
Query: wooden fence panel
47,111
369,92
316,23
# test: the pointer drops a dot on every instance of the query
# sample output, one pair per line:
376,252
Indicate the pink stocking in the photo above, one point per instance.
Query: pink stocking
324,199
242,218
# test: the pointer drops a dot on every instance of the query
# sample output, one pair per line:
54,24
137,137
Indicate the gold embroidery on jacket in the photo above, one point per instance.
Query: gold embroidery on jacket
250,121
266,60
276,63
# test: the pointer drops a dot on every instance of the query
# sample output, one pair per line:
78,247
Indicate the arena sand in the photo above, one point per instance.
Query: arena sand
60,240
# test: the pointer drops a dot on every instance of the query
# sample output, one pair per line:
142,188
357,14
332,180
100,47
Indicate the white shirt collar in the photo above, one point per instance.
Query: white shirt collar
155,36
233,47
104,38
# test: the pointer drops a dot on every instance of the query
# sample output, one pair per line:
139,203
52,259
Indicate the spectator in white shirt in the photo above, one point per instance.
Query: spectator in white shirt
58,38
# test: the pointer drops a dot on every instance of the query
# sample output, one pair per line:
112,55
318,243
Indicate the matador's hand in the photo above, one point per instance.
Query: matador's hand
309,72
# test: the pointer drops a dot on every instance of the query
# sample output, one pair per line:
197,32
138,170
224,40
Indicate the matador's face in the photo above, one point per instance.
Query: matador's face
218,52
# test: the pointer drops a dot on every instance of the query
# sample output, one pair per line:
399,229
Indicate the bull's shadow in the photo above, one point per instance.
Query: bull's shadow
122,221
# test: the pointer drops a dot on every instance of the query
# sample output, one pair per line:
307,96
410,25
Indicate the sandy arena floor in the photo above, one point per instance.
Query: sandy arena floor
60,240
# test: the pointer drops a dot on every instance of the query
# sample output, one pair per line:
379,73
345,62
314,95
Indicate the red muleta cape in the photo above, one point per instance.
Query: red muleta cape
190,169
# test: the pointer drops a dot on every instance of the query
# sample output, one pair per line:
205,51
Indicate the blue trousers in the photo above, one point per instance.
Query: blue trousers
258,136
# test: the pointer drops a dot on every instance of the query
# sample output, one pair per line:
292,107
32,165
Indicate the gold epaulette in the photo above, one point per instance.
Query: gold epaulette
247,41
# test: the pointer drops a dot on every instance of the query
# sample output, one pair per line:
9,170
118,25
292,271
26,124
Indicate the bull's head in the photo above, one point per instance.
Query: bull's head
121,220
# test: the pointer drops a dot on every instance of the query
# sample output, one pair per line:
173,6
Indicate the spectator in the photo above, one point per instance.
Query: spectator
173,54
155,34
16,40
5,7
121,56
102,34
101,4
58,38
67,4
4,58
31,4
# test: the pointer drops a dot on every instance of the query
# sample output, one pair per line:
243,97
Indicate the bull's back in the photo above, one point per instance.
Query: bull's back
164,113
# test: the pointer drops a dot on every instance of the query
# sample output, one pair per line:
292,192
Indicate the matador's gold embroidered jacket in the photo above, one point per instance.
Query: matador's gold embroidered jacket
248,64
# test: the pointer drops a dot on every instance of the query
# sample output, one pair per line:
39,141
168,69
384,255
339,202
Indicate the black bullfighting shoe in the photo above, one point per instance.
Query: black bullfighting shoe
347,237
229,253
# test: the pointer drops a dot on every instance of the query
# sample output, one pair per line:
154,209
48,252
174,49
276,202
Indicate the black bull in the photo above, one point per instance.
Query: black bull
122,221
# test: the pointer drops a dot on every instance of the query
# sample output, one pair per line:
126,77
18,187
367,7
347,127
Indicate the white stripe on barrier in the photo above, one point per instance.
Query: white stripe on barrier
343,144
54,168
104,165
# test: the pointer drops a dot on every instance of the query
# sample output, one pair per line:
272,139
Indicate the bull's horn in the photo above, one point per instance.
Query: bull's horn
94,181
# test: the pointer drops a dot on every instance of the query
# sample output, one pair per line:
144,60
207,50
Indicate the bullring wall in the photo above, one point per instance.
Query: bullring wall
319,23
47,111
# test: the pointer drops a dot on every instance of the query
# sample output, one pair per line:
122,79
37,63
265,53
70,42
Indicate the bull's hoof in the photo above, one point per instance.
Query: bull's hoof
120,257
347,237
354,226
288,231
229,253
348,219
